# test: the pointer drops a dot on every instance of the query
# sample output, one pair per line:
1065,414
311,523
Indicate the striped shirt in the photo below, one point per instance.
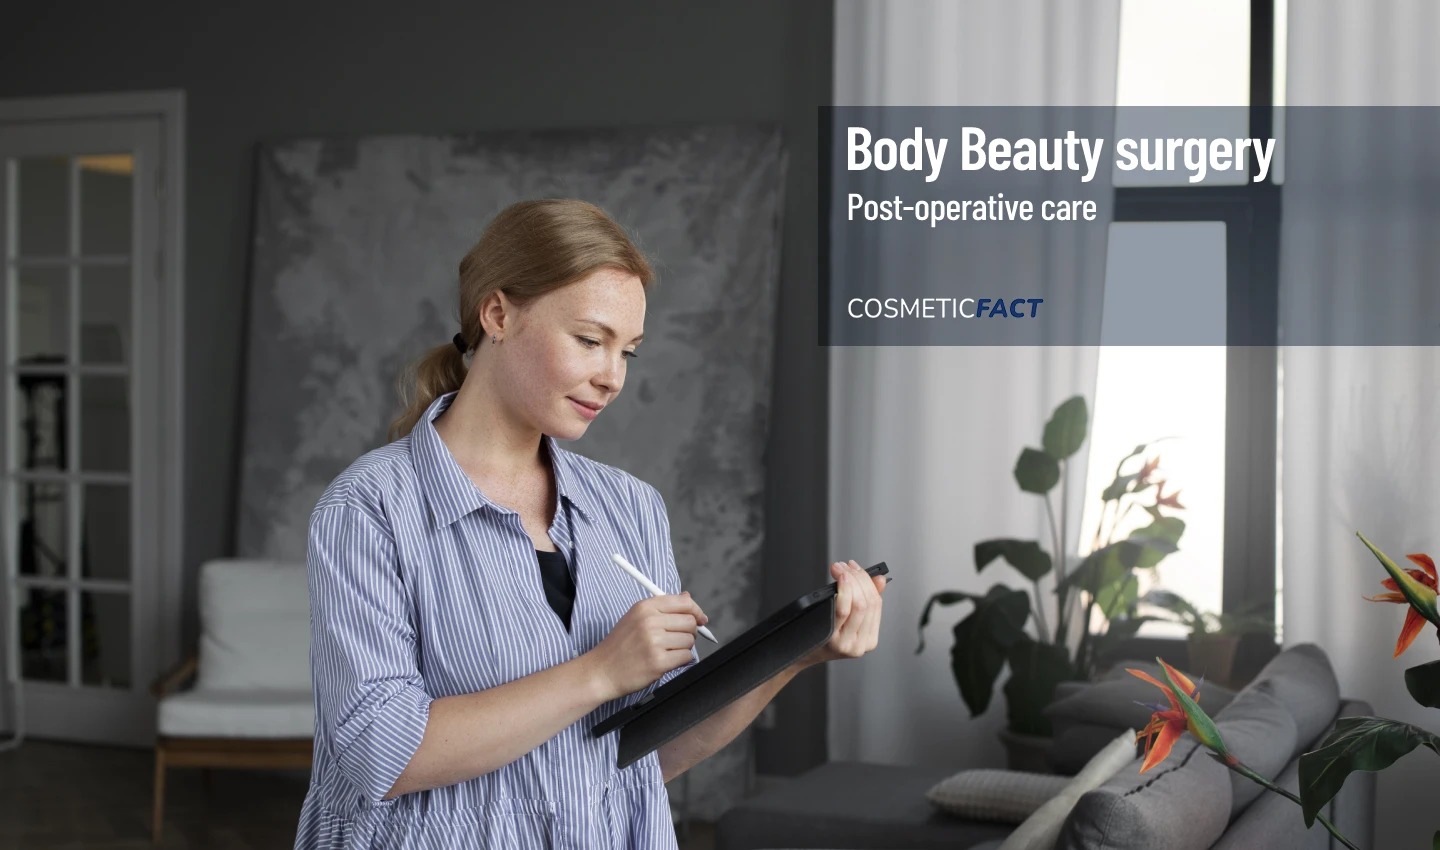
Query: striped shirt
420,588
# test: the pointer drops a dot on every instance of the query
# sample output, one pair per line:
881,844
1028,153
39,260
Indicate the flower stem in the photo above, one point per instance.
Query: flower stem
1243,770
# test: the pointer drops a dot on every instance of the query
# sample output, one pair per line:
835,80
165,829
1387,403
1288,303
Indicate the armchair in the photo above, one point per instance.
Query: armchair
250,705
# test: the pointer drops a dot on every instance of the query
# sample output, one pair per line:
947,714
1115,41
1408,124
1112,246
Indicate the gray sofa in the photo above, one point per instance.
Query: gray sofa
1190,802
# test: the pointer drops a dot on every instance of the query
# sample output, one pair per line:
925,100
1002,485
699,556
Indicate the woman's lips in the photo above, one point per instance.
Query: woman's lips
585,410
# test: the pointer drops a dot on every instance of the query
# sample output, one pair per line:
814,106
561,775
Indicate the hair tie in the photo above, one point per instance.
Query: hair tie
460,345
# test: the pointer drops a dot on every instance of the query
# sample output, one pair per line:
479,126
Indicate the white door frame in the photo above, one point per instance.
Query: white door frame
169,264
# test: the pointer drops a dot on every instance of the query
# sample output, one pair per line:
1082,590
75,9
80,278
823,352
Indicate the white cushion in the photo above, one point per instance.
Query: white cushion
1041,830
1006,796
254,626
209,713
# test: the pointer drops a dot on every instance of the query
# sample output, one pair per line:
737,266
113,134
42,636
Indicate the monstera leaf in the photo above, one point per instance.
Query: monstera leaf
1358,743
983,640
1024,555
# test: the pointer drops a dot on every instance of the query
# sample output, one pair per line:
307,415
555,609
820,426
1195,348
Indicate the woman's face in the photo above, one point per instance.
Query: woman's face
567,351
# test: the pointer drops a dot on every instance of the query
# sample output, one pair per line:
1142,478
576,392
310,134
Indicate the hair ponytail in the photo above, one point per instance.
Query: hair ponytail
440,371
529,249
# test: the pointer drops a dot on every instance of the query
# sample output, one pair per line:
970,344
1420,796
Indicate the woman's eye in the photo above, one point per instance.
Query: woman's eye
630,354
588,342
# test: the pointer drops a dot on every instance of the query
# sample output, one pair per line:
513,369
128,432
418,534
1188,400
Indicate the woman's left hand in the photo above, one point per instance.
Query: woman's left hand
857,615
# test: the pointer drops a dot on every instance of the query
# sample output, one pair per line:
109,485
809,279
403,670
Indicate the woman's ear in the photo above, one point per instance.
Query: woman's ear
496,314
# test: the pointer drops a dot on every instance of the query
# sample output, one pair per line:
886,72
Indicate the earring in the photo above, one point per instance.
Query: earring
493,339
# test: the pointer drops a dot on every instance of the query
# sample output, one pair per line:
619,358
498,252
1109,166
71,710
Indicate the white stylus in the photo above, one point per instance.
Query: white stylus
652,587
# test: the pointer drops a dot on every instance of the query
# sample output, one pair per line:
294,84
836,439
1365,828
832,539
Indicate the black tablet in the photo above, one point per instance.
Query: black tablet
738,666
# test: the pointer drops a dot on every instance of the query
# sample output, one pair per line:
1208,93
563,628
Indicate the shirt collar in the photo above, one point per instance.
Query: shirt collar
450,491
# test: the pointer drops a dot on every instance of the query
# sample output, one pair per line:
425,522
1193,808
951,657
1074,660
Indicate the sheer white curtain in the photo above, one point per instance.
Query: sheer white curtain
923,440
1359,437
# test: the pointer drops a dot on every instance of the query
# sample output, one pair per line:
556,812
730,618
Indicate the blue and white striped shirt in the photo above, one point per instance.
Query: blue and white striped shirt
420,588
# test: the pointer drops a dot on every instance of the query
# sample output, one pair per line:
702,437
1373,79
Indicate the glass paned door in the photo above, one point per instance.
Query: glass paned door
81,230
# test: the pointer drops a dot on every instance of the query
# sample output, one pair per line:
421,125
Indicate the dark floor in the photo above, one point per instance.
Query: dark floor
62,796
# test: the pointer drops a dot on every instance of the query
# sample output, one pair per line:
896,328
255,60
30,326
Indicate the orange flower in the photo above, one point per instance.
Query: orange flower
1414,619
1145,471
1167,724
1170,501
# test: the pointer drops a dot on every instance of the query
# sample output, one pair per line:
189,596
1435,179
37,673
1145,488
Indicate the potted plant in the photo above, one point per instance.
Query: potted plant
1094,600
1214,638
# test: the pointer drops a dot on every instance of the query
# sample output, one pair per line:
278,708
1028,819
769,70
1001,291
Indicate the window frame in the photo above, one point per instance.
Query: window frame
1251,213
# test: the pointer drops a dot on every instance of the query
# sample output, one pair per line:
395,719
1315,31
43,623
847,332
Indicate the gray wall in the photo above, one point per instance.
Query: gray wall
263,71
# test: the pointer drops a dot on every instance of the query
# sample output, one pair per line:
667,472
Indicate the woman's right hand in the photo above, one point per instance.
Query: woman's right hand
654,637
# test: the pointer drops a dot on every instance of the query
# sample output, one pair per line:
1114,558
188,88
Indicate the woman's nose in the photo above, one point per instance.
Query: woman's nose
612,377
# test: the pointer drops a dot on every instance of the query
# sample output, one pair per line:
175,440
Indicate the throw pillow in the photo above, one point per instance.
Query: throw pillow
1007,796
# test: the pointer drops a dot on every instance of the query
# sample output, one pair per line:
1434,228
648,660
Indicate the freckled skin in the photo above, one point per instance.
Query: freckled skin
549,361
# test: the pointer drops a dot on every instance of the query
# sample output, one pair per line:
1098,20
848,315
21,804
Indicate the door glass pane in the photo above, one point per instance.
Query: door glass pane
44,210
105,548
105,204
104,423
41,531
42,635
43,303
105,639
104,314
40,437
1173,394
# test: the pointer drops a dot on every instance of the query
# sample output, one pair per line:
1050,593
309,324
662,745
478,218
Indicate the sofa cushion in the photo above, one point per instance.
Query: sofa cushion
1181,804
1112,701
1302,680
1075,744
1259,731
254,626
210,713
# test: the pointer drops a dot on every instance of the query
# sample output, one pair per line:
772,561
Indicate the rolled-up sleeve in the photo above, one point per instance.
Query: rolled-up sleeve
656,522
370,699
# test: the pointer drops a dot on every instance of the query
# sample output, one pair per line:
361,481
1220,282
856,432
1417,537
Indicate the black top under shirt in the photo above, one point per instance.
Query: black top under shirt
559,584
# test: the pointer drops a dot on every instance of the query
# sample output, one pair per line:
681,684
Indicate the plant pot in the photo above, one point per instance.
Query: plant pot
1213,656
1026,752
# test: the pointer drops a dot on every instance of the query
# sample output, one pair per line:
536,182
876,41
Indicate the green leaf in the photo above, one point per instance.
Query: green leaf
1036,471
1108,564
982,641
1164,529
1035,670
1358,743
1065,432
1118,596
1117,488
1435,842
944,597
1024,555
1423,683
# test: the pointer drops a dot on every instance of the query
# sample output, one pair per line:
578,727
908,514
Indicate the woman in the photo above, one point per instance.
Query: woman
467,625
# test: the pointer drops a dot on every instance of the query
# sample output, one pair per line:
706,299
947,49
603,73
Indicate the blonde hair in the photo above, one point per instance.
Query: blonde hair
529,249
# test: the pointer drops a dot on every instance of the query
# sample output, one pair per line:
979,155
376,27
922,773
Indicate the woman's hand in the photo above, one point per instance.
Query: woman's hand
857,615
653,638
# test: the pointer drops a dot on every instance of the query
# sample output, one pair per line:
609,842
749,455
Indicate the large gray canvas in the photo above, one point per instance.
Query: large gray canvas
356,248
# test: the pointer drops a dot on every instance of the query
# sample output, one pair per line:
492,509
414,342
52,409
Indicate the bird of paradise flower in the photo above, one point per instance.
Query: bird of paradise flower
1184,714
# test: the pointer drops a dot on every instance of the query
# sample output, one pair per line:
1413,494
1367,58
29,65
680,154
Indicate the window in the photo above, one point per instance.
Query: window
1216,245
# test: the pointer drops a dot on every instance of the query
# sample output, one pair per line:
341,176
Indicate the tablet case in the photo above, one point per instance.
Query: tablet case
737,668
